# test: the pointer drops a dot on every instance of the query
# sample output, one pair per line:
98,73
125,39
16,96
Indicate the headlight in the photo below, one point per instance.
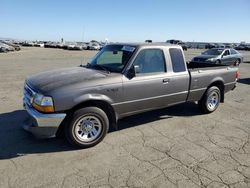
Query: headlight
43,103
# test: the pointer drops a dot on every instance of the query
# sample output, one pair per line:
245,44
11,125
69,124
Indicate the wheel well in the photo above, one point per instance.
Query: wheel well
106,107
221,86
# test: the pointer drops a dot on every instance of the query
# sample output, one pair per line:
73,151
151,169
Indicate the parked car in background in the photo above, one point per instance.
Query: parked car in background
84,46
5,47
210,45
247,47
27,44
183,45
94,46
10,44
220,46
102,44
240,47
226,56
39,44
50,45
173,41
243,47
2,48
229,46
179,42
74,47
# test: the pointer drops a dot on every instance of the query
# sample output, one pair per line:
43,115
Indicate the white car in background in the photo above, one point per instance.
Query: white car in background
6,48
94,46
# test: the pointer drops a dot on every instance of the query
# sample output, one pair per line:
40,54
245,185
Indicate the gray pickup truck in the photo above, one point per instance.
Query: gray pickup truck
121,80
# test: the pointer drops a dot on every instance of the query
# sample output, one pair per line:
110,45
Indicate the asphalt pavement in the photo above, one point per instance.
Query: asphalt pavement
173,147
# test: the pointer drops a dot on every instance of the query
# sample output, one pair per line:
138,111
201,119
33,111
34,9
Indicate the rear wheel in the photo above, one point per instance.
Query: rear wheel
88,126
211,100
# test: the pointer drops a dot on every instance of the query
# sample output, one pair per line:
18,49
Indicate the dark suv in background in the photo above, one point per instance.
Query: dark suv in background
179,42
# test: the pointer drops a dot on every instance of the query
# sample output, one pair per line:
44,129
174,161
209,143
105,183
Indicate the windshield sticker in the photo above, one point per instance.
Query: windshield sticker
128,48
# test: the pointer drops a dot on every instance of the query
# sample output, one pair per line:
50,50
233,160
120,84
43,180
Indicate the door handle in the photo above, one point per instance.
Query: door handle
166,80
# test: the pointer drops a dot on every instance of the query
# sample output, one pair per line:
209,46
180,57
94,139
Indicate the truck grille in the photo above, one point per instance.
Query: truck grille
28,95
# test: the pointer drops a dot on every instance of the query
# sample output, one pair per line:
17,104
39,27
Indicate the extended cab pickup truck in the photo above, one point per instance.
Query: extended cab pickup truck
121,80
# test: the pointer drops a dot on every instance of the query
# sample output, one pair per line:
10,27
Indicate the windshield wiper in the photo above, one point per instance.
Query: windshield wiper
98,66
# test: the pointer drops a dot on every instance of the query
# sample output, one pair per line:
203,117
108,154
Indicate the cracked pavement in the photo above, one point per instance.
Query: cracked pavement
174,147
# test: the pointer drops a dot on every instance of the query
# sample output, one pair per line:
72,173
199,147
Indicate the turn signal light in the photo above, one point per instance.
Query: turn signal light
45,109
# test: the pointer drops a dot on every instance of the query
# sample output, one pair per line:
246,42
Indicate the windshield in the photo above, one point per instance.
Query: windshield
112,58
213,52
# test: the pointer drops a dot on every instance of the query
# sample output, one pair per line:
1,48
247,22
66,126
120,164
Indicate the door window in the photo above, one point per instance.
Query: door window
226,53
150,61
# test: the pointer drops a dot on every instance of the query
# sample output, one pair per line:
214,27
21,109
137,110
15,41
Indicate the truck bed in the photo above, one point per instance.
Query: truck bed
202,75
196,65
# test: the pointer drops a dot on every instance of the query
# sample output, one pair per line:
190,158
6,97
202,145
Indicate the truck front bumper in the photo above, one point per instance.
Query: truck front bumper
42,125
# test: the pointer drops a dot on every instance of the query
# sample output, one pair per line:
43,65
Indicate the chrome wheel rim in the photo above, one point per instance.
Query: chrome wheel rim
88,128
212,101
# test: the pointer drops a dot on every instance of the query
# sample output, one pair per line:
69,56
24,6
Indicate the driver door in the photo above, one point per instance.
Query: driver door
146,89
226,58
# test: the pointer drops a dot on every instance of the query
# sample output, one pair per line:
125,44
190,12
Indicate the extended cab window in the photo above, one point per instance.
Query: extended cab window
150,61
177,60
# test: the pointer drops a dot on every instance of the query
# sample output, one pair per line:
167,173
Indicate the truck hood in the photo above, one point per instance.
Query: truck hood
50,80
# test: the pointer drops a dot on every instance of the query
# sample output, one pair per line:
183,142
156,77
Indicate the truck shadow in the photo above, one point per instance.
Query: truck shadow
244,81
185,109
15,142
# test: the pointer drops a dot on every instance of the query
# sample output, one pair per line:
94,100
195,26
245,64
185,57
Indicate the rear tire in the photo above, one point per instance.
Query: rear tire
87,127
211,100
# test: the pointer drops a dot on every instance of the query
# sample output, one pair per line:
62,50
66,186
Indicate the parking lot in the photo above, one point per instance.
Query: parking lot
173,147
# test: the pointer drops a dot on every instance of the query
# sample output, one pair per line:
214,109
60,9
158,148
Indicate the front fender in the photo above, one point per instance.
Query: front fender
89,97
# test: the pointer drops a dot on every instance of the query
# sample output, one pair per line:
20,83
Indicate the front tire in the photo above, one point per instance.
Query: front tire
217,62
87,127
211,100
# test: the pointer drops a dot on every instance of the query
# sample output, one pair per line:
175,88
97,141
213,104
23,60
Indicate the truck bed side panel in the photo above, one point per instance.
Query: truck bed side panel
201,79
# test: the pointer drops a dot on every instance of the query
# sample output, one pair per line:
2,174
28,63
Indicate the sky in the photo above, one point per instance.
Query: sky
127,20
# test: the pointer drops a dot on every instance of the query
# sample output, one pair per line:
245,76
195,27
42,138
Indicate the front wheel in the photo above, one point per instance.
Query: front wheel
88,126
217,62
211,100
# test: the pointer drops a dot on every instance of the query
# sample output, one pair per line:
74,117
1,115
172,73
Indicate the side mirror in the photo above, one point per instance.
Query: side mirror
131,72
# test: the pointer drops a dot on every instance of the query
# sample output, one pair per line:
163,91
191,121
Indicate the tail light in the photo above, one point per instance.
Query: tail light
237,75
